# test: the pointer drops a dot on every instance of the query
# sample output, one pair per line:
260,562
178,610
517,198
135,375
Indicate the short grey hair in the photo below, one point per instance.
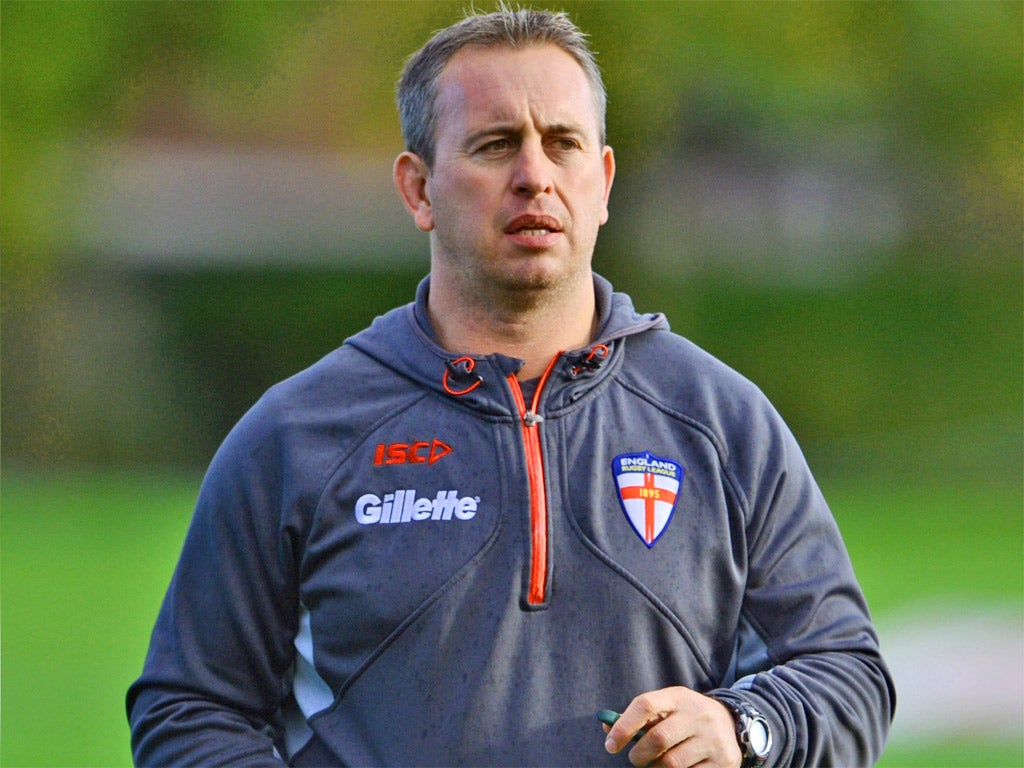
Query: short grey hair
418,86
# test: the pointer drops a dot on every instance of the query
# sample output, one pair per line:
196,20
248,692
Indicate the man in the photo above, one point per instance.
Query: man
513,502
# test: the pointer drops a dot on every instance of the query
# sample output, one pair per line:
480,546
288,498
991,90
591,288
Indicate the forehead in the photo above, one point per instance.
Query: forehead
506,85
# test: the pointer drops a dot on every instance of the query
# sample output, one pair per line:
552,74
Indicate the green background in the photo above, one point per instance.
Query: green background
90,554
867,276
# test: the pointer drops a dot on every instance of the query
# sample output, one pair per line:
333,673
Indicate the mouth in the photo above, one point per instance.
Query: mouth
529,225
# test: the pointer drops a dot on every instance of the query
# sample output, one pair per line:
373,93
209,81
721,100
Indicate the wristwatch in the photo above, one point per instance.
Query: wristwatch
752,732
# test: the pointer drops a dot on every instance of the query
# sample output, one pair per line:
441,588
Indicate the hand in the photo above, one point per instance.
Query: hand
684,728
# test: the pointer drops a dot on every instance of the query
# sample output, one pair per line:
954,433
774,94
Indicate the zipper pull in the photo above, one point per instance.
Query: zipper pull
528,413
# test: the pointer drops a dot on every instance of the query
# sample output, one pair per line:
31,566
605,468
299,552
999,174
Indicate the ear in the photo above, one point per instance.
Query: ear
411,175
608,163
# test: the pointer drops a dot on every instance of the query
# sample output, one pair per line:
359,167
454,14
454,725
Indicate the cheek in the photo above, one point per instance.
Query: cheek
593,201
462,211
465,188
475,202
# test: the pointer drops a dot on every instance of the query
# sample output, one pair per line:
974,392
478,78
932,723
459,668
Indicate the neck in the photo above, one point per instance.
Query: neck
533,331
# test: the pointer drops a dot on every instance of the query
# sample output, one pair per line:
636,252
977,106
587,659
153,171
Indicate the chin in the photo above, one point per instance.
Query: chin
535,275
536,282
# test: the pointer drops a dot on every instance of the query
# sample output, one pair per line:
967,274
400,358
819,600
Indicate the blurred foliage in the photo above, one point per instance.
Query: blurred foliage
900,373
258,327
896,374
941,80
931,337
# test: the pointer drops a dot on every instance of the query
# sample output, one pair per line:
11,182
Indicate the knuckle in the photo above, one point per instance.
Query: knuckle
673,759
645,703
659,741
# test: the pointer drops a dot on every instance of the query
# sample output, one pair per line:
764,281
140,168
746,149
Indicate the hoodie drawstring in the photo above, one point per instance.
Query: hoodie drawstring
591,362
461,368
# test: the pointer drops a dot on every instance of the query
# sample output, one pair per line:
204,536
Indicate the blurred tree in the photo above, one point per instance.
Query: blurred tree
934,89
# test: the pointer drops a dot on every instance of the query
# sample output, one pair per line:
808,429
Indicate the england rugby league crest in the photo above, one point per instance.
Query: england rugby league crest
648,488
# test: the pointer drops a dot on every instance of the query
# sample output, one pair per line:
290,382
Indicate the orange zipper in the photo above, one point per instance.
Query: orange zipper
537,591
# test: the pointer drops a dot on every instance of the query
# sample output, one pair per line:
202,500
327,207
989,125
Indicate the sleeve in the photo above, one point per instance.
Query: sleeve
221,651
809,656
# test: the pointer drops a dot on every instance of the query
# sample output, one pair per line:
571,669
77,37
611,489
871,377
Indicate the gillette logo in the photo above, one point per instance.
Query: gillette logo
405,507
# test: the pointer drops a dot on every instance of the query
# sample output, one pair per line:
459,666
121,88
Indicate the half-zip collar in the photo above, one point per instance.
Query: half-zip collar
404,341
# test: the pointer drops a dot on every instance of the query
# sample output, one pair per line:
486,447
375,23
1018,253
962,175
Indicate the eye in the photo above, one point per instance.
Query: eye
495,146
564,144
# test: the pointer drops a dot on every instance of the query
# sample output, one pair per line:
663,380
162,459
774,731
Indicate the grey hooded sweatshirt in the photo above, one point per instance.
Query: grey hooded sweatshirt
397,558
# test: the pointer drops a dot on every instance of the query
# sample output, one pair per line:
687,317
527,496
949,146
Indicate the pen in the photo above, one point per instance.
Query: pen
608,717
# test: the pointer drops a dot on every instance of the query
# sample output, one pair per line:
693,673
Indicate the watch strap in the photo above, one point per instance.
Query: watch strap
747,718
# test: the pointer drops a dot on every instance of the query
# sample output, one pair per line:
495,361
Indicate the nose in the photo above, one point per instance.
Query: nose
531,175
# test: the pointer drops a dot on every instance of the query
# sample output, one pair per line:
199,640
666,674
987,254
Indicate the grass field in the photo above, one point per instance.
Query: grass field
84,560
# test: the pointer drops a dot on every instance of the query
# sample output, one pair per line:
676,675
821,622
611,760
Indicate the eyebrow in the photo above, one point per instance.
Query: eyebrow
513,129
562,129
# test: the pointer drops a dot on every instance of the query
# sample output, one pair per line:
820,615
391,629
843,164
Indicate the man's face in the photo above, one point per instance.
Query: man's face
520,181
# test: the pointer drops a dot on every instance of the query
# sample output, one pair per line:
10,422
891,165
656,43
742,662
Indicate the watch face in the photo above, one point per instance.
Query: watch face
760,741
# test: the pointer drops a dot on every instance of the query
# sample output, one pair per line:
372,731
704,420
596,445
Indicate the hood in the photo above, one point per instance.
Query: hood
404,341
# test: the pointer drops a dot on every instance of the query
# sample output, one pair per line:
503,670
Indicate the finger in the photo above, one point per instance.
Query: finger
682,741
686,754
643,712
672,760
672,735
619,735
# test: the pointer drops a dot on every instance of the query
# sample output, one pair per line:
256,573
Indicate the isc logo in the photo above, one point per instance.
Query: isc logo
420,452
